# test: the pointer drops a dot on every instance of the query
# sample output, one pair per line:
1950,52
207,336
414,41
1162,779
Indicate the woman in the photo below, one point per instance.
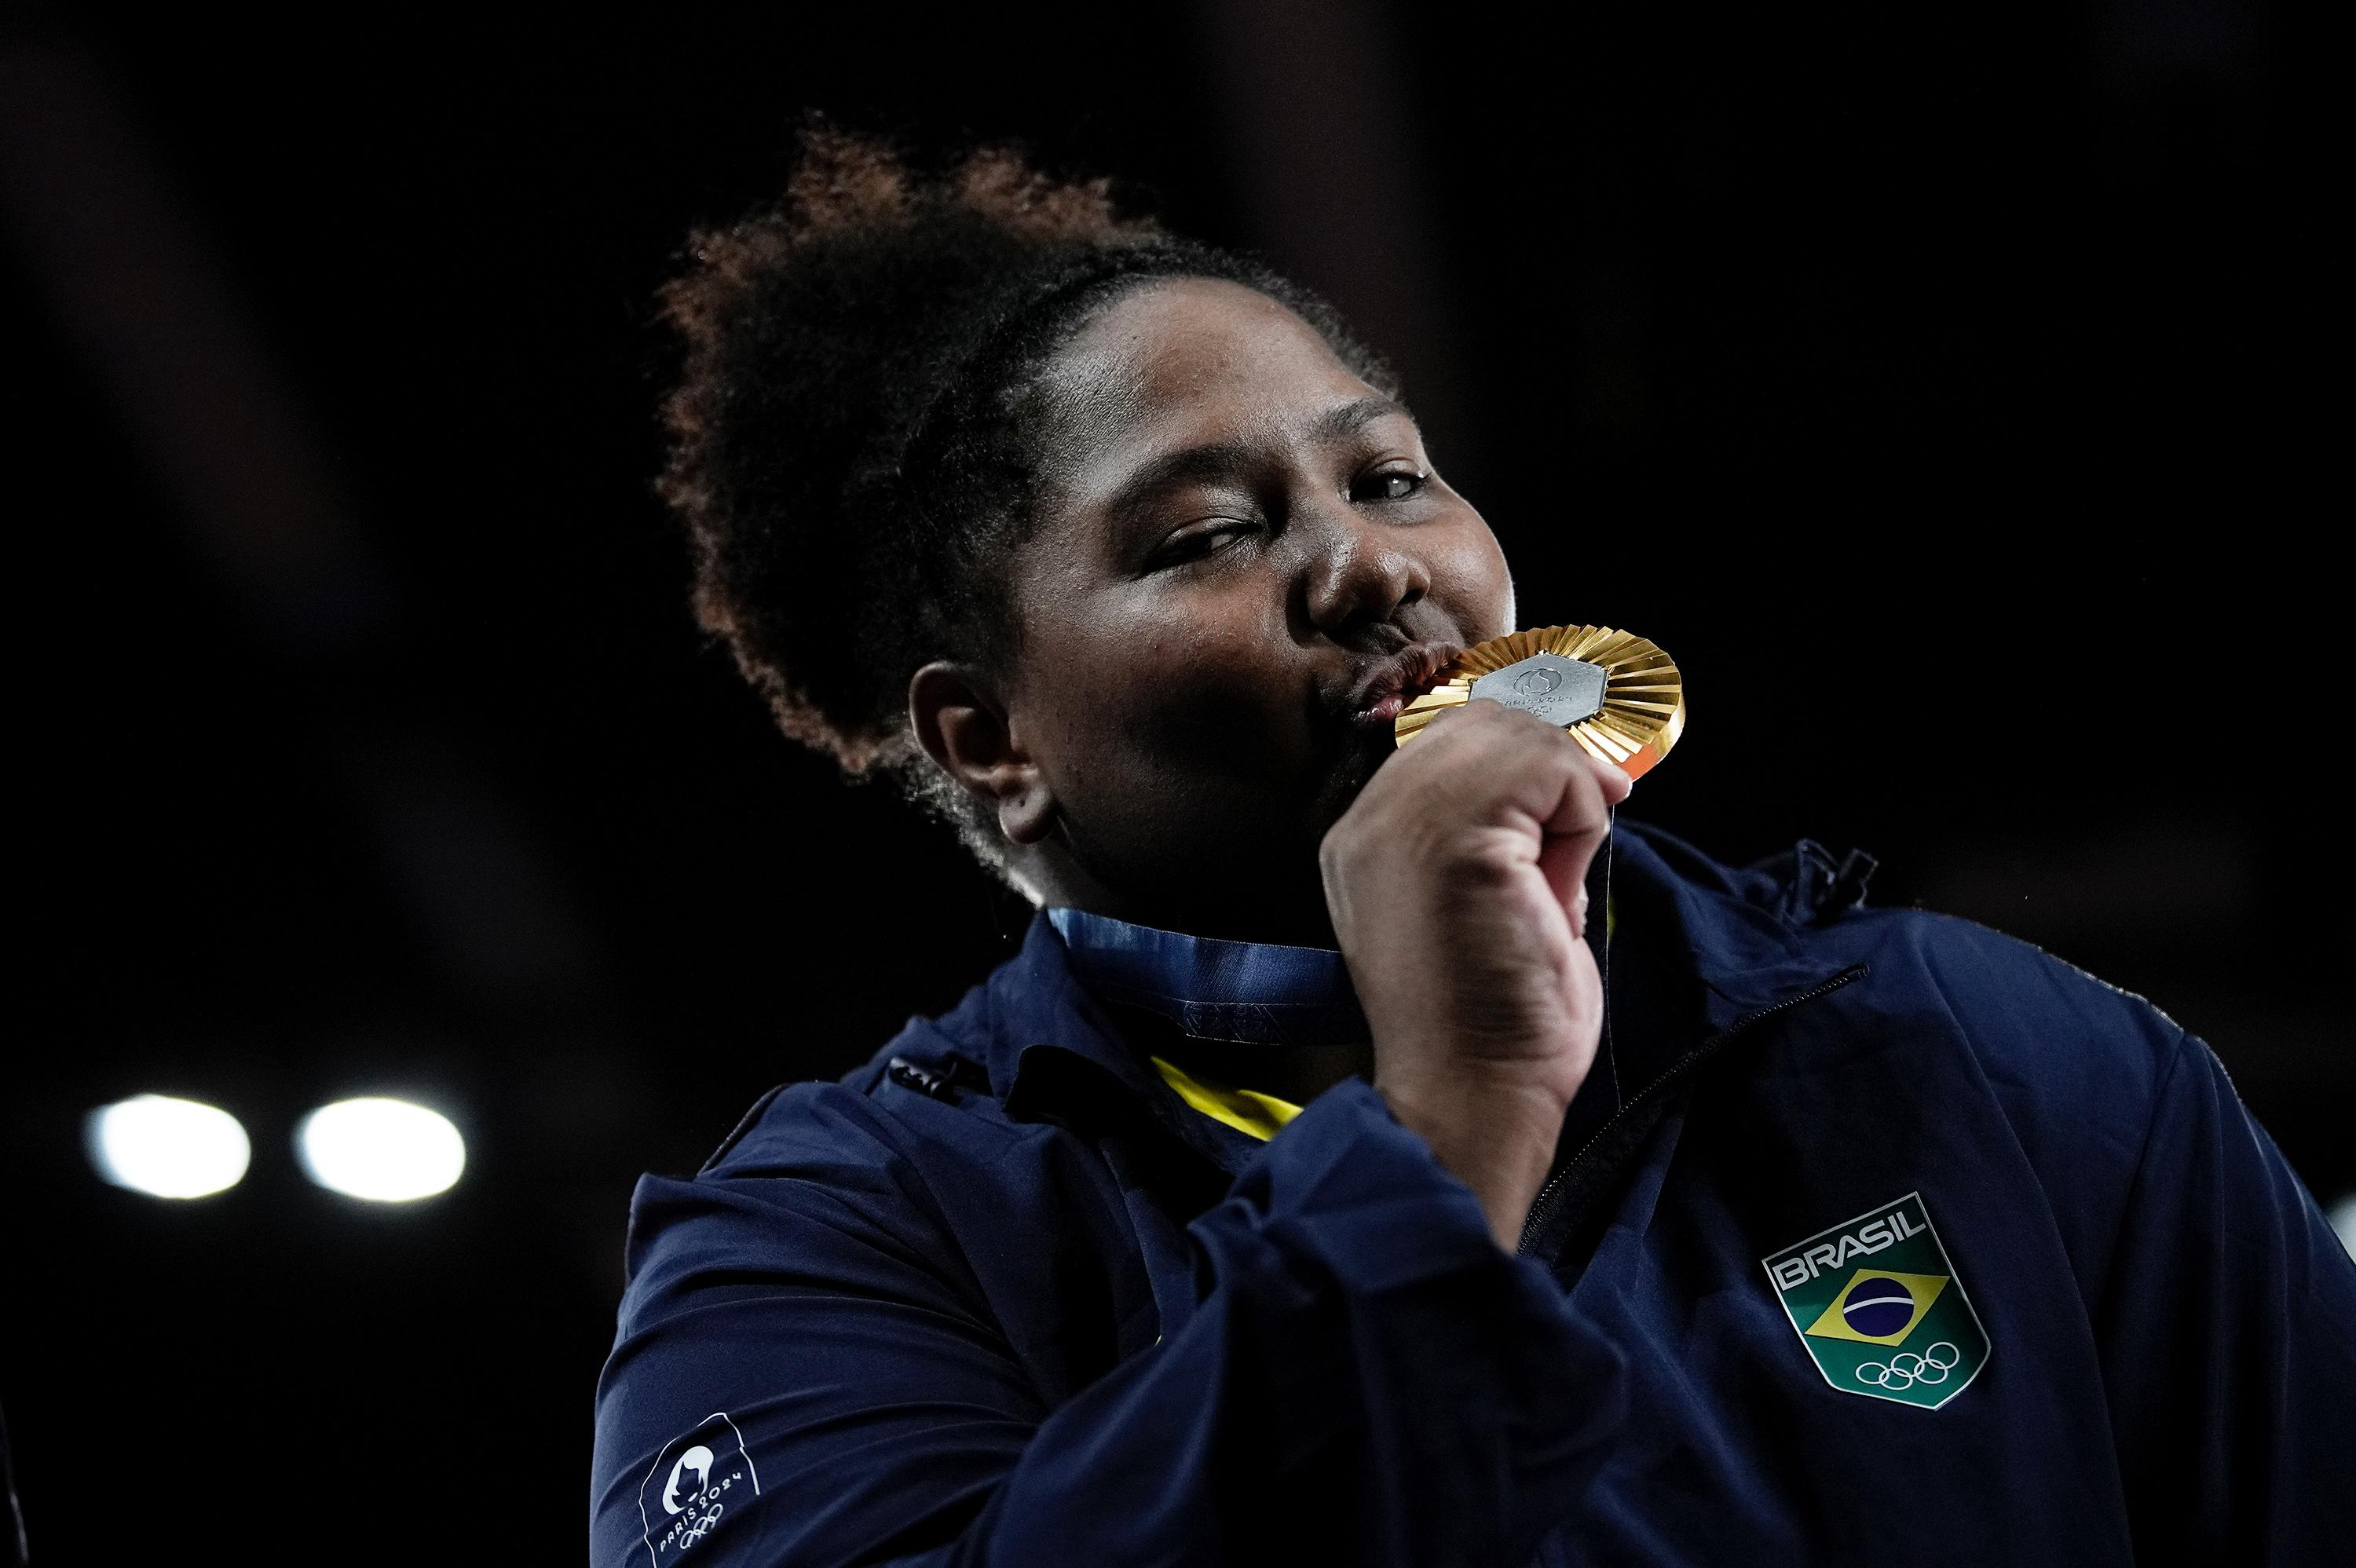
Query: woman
1295,1194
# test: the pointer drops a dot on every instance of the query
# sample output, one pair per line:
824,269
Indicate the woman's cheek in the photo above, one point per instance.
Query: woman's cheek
1478,584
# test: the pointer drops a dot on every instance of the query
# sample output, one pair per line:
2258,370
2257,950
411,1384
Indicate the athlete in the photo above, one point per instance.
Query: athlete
1373,1156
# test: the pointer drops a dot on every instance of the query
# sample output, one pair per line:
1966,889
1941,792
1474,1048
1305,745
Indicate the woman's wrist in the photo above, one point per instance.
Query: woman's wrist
1497,1135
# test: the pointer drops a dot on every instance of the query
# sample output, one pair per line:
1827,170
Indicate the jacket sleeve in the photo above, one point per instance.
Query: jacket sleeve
2228,1326
1367,1378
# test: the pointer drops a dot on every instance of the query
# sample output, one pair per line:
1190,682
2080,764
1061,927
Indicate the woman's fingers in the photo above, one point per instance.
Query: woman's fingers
1516,770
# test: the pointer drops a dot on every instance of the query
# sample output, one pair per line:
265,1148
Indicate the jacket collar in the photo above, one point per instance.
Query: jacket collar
1053,1054
1251,992
1699,948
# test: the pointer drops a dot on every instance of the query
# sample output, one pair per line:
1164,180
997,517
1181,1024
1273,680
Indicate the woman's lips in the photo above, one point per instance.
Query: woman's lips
1399,680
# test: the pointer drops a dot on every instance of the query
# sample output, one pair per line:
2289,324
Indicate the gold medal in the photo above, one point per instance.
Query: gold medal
1618,695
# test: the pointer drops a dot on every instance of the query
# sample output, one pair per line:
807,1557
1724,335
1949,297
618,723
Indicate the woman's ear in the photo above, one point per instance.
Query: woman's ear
962,724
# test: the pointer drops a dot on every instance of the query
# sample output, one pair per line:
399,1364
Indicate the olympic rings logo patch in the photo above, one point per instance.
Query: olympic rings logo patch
1926,1368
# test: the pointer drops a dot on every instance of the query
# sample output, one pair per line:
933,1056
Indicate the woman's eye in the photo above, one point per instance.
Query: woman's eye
1391,484
1198,543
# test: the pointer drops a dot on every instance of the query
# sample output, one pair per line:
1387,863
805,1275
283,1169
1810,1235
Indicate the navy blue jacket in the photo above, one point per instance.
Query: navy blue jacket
999,1296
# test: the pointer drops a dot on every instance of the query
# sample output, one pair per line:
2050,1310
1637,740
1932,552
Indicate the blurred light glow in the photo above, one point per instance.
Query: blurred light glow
168,1147
2343,1220
387,1151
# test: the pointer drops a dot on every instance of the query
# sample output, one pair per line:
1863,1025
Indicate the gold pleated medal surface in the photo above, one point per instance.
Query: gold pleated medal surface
1629,718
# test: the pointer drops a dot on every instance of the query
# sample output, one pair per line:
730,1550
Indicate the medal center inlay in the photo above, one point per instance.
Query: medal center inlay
1557,689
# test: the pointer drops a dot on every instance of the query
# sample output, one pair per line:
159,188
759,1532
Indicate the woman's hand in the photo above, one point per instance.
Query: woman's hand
1456,883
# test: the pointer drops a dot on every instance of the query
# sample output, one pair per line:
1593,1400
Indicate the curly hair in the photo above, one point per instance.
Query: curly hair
857,429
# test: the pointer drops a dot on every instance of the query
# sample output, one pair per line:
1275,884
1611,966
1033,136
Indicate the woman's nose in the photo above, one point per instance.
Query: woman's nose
1358,571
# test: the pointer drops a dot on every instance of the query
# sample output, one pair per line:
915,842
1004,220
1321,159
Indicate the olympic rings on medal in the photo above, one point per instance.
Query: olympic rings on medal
1927,1368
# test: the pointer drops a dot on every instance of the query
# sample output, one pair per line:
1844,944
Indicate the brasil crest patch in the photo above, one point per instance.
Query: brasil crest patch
1877,1302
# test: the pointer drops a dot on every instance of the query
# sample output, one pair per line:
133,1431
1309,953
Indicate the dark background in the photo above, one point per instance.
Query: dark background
1939,388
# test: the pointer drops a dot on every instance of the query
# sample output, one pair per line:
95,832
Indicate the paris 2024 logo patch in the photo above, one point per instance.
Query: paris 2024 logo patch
1878,1303
695,1480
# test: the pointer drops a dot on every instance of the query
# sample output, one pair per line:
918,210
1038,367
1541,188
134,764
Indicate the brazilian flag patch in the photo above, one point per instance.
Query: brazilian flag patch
1877,1302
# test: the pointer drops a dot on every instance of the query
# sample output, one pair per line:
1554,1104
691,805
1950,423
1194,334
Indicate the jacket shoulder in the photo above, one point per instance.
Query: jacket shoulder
2076,1067
2008,995
863,1155
822,1152
2012,998
2059,1046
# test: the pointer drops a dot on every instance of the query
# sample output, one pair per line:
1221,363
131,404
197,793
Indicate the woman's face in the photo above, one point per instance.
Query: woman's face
1243,556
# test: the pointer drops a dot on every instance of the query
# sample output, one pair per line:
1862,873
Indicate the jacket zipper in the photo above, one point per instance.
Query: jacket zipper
1541,1205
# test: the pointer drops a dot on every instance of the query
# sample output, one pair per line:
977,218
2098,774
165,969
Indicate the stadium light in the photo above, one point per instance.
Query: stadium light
387,1151
167,1147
